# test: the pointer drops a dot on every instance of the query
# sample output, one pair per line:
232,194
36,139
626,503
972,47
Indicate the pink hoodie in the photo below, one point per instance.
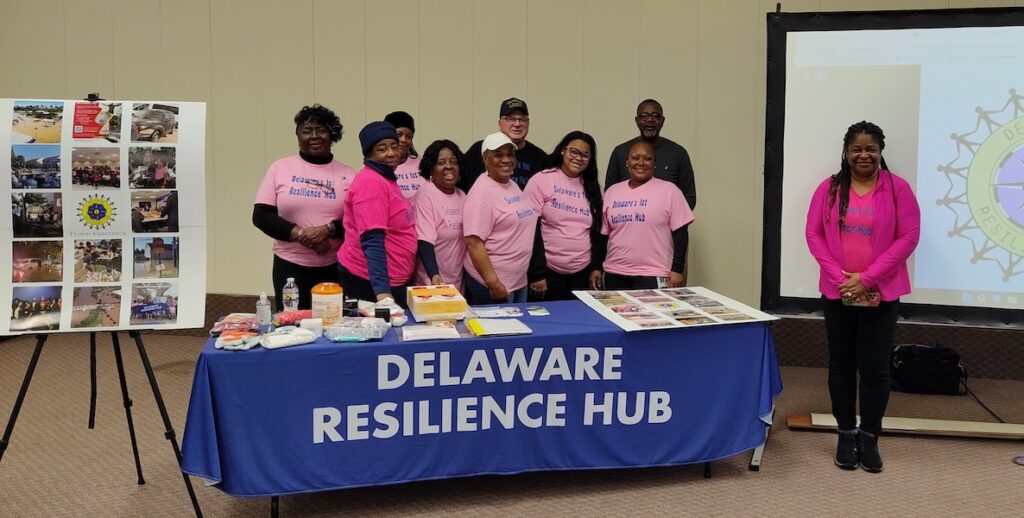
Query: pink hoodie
896,232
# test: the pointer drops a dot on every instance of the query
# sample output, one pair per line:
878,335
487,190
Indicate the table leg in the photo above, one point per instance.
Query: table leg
755,456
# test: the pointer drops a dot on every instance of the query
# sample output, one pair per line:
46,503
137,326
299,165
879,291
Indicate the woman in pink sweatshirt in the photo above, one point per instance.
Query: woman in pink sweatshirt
862,226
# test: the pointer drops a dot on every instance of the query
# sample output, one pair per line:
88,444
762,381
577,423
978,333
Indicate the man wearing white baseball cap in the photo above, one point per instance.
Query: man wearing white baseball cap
499,224
513,121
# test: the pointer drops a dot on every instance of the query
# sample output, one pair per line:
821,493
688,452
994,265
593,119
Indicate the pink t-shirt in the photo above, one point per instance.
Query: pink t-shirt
502,216
307,195
374,202
409,180
565,219
439,222
639,224
858,225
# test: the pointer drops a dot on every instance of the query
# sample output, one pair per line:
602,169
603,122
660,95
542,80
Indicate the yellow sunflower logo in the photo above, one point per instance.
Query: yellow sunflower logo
96,212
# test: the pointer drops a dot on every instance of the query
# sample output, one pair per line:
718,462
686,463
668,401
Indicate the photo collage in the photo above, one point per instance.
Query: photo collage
118,153
638,310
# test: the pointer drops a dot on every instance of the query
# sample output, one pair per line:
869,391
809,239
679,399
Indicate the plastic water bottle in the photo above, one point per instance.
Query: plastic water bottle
263,313
290,295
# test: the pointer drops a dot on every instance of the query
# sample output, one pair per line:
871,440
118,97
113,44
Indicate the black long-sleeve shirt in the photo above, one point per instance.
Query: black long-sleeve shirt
266,218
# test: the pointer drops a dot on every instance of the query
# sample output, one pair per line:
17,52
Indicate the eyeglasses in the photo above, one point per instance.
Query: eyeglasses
514,120
655,116
577,154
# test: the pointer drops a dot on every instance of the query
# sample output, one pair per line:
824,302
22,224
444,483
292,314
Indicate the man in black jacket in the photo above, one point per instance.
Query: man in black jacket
513,121
671,161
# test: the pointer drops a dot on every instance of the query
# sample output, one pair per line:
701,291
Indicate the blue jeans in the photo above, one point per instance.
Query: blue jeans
480,295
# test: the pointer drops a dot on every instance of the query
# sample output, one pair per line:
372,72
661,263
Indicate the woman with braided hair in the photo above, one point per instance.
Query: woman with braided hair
862,226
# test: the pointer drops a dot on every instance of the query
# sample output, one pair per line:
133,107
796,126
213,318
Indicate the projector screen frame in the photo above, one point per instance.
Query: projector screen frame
779,25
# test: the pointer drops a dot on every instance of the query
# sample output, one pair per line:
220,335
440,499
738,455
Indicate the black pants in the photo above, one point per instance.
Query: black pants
561,285
305,278
360,288
860,341
614,281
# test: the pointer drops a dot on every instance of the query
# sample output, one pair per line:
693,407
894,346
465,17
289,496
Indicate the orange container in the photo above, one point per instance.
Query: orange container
328,298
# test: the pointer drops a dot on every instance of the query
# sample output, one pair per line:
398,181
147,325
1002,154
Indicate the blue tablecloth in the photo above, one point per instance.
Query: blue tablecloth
325,416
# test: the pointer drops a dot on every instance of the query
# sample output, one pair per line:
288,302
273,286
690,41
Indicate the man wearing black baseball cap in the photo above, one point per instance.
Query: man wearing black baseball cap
513,121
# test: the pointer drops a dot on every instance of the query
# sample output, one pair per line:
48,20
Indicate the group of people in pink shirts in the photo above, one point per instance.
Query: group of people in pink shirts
402,219
540,227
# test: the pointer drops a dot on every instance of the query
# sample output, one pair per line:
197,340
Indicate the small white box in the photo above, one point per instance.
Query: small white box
316,325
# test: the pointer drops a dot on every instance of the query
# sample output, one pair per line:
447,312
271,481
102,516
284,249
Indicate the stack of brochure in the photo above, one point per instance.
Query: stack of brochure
497,326
437,330
495,311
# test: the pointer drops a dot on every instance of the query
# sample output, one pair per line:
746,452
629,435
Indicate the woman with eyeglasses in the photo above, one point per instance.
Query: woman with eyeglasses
569,248
378,256
300,204
645,219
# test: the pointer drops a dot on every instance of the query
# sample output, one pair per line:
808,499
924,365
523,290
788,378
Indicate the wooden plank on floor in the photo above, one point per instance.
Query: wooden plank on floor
914,426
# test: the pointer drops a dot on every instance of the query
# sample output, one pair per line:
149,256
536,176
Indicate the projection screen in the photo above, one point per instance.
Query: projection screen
947,87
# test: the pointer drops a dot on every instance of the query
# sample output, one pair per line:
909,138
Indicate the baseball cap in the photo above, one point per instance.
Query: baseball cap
495,141
512,104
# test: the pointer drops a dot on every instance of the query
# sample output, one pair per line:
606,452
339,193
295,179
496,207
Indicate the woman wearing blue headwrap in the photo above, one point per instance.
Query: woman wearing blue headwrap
378,255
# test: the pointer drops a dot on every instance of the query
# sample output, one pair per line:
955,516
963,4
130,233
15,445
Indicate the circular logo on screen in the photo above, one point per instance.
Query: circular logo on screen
96,212
986,187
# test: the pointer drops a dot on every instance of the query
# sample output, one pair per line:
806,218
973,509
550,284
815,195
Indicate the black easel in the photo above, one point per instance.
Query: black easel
168,428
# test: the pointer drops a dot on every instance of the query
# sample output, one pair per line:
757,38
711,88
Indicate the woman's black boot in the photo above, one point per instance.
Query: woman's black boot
870,459
846,451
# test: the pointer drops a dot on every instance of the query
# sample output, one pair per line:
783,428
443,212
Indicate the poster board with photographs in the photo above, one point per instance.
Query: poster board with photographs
95,240
667,308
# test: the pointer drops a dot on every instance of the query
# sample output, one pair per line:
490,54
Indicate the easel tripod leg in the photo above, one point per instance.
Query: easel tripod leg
168,428
40,340
127,404
92,380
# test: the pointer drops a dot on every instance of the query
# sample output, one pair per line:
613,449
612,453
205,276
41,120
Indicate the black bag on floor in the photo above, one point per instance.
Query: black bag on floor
928,369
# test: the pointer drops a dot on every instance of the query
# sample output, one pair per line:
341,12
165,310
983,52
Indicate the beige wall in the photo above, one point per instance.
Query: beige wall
580,64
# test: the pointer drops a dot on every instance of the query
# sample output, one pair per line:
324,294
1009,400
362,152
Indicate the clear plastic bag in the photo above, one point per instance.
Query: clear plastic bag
357,329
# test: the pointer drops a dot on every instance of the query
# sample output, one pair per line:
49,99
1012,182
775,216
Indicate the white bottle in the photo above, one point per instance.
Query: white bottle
290,295
263,313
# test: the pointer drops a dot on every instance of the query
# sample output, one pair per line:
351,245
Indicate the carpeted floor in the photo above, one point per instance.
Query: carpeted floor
56,466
